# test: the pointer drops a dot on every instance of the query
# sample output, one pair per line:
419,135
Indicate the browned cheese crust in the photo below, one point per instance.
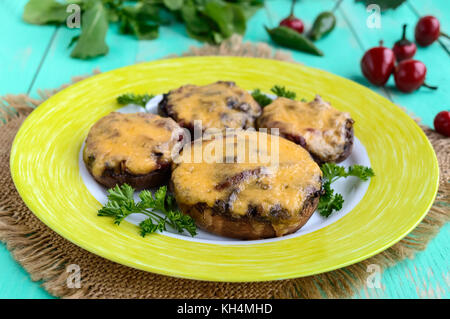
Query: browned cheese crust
248,199
131,148
324,131
218,105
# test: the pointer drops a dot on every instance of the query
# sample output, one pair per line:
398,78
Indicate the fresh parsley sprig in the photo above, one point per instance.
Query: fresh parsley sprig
121,204
331,172
278,90
281,91
261,98
131,98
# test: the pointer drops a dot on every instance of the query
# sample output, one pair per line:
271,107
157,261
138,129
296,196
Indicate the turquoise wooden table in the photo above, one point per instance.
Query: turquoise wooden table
36,57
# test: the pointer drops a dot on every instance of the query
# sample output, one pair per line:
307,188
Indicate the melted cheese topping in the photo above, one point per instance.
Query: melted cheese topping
218,105
322,126
257,181
136,142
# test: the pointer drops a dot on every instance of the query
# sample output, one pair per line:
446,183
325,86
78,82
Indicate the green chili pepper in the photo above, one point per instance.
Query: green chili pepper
324,24
292,39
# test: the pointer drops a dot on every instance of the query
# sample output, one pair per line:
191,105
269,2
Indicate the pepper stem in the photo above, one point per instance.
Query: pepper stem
381,43
445,35
431,87
404,31
336,6
291,15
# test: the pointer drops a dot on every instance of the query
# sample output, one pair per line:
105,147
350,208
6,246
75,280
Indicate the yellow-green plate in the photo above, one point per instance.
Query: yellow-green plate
46,172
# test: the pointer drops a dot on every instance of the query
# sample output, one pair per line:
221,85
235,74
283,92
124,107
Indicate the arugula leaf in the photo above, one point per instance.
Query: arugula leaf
121,204
221,14
45,12
329,201
140,20
173,4
94,25
194,22
131,98
239,19
281,91
249,7
261,98
206,20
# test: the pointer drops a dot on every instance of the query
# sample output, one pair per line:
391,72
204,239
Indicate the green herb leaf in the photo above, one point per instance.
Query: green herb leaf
249,7
362,172
140,20
222,14
195,24
281,91
131,98
329,201
173,4
121,204
332,172
261,98
45,12
94,25
206,20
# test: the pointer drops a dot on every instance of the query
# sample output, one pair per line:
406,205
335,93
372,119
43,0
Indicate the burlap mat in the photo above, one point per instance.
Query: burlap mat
44,254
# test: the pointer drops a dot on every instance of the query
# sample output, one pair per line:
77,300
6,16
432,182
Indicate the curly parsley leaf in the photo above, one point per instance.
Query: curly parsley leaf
331,172
329,201
281,91
363,172
121,204
261,98
131,98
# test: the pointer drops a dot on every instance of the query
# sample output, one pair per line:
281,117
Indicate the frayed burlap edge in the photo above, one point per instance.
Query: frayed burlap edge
45,255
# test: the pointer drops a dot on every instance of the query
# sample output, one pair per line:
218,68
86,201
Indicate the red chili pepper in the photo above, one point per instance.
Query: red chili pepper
428,30
292,22
410,75
442,123
377,64
403,48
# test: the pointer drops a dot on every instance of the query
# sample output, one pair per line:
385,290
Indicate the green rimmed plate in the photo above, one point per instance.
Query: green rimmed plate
47,173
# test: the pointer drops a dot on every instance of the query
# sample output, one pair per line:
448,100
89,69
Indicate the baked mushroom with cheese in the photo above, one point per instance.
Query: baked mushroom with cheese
248,190
324,131
218,105
131,148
